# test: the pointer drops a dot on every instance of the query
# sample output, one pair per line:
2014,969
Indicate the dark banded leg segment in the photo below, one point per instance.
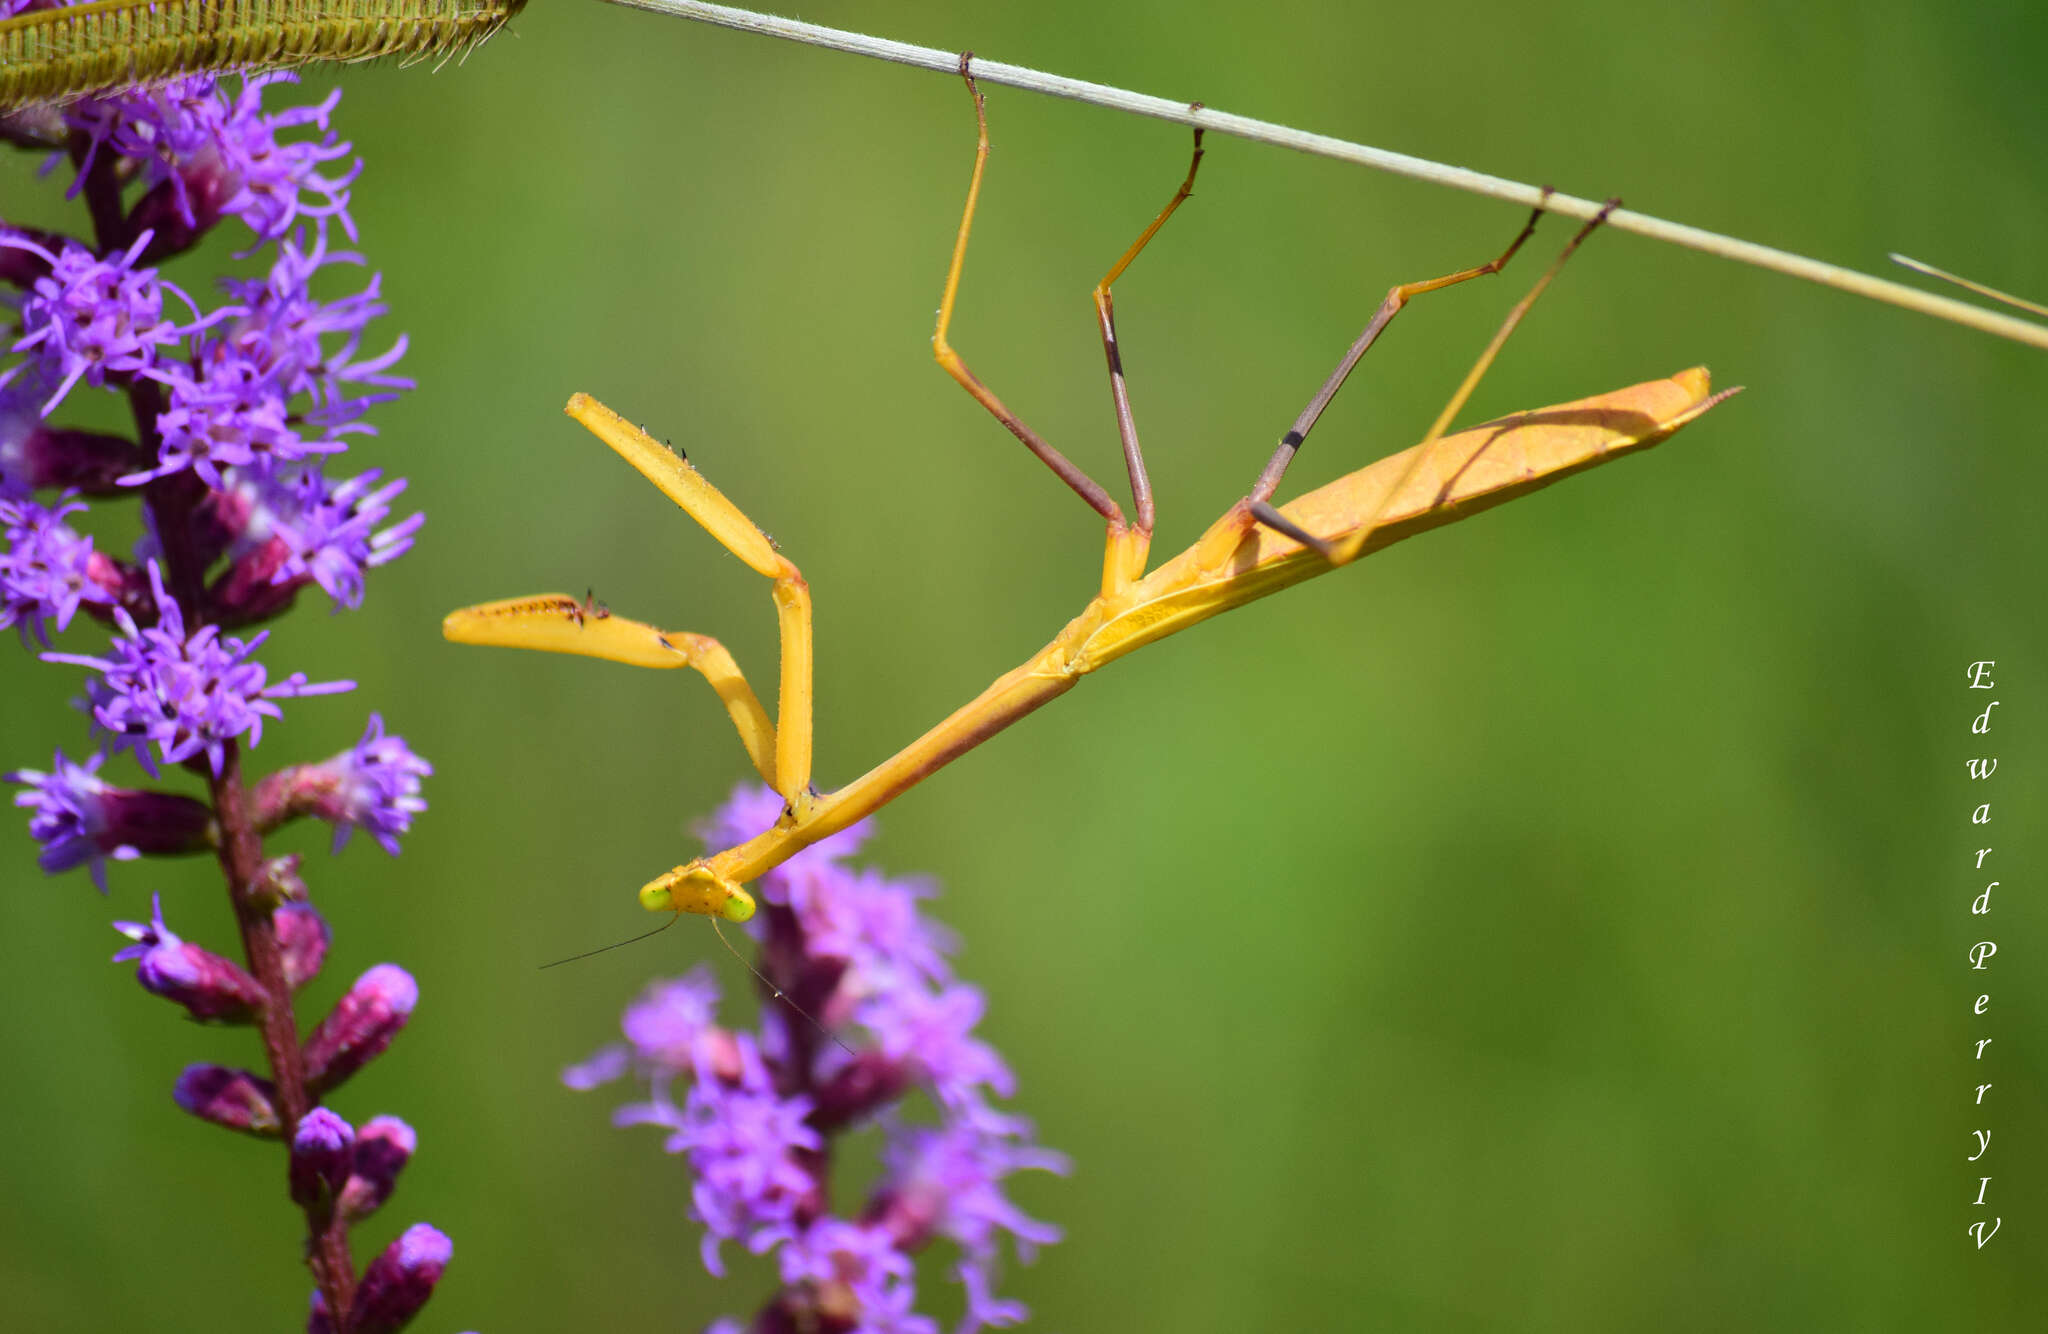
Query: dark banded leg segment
1398,297
1126,561
1080,482
1345,551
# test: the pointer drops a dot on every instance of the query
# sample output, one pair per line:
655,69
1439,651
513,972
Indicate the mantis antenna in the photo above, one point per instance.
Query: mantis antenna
775,993
617,944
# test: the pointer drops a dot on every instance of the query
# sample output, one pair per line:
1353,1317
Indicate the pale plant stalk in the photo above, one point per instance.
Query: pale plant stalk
143,41
1321,145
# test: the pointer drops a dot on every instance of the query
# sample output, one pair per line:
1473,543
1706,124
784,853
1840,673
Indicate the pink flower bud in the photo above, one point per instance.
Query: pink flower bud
207,985
235,1099
383,1148
398,1282
322,1152
361,1025
302,939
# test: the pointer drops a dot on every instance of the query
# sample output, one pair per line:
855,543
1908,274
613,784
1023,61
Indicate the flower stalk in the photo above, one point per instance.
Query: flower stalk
238,407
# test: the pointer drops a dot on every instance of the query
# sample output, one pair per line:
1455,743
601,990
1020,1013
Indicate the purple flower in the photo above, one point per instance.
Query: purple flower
323,1147
602,1067
873,923
46,569
80,820
948,1181
936,1030
858,1273
284,329
90,317
226,411
187,696
173,132
234,1099
662,1027
330,532
280,182
207,985
741,1138
361,1025
398,1282
374,787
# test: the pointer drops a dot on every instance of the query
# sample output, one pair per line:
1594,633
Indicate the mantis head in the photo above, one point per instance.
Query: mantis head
697,888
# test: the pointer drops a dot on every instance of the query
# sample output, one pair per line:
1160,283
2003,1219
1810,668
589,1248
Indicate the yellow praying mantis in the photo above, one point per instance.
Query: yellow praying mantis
1254,549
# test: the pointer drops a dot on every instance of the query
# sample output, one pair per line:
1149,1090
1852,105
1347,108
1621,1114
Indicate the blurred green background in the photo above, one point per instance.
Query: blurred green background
1610,850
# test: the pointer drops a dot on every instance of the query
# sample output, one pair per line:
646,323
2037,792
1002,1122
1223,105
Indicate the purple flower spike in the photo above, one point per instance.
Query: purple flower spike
187,696
361,1025
398,1282
80,820
302,938
323,1150
208,986
234,1099
46,571
757,1123
231,409
383,1147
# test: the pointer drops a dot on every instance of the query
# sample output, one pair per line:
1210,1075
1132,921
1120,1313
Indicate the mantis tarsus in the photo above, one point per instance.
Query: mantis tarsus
1254,549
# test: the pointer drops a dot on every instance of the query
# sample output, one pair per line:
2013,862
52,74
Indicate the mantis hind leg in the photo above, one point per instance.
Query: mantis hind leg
1347,550
1124,561
951,362
1396,299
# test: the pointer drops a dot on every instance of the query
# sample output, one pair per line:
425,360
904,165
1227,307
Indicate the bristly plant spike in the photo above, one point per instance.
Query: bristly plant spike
53,54
239,402
1254,549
